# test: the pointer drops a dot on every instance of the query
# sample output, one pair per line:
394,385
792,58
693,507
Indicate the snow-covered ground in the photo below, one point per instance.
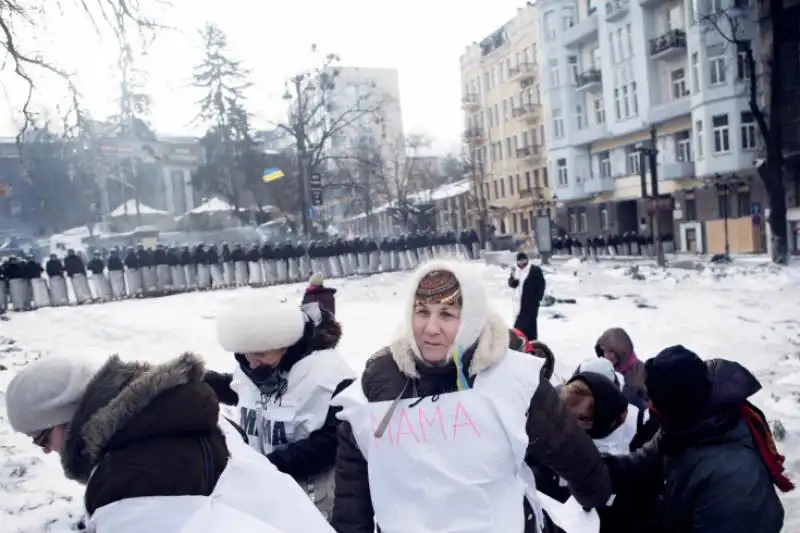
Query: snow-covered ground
748,312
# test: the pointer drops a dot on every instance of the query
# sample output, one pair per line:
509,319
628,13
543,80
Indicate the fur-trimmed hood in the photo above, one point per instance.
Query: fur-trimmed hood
480,326
118,394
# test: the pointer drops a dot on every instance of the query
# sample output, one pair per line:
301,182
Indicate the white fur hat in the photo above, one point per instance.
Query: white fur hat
259,326
602,366
475,303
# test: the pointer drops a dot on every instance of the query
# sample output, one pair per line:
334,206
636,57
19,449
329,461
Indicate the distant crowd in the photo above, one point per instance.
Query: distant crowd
140,272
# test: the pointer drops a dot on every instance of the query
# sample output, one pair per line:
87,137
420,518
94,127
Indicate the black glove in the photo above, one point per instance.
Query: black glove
221,383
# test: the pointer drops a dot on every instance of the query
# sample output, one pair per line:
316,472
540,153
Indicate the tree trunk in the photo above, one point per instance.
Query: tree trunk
771,172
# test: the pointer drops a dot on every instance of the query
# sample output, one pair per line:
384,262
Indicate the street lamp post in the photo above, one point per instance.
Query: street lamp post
300,121
648,157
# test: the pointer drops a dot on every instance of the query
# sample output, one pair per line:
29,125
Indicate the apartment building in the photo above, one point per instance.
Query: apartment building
505,134
610,71
356,89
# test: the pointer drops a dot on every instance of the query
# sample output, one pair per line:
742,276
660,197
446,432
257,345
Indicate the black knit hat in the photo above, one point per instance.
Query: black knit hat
522,256
609,403
677,381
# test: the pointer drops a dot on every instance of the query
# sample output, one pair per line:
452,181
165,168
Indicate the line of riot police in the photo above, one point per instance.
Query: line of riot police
140,272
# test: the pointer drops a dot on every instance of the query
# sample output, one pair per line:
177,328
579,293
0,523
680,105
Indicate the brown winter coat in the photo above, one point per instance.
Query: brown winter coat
618,340
145,430
555,438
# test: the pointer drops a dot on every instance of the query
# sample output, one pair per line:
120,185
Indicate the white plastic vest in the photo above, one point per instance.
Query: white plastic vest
453,463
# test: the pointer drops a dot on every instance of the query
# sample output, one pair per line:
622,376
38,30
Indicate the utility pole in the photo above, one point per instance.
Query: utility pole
300,123
648,156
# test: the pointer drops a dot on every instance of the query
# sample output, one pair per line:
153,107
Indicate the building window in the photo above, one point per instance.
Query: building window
683,146
496,190
632,161
605,164
545,179
617,104
599,111
555,80
502,189
572,69
695,73
567,18
698,131
549,26
626,108
722,142
716,64
573,223
690,209
634,98
558,124
722,205
584,222
748,130
678,80
579,116
561,165
742,65
743,203
511,185
604,219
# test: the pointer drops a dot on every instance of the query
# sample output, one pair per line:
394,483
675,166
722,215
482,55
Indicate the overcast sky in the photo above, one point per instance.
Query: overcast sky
423,39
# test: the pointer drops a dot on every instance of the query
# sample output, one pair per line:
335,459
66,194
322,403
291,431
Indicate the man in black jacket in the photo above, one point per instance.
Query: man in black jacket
528,283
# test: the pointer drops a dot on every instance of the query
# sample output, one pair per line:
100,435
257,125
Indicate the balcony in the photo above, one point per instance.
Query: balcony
589,135
471,102
598,185
669,110
589,81
669,45
616,9
574,191
522,73
475,136
676,170
531,154
582,32
528,112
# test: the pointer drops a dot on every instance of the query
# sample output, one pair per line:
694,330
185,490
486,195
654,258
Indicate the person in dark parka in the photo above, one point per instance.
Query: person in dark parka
318,292
714,456
528,283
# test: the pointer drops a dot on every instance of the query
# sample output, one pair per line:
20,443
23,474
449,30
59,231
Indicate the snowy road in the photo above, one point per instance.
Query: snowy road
748,313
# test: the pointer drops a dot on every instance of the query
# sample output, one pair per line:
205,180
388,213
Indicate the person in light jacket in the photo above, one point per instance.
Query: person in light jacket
287,369
448,413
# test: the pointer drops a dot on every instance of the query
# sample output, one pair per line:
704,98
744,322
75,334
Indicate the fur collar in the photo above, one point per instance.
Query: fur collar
117,393
492,346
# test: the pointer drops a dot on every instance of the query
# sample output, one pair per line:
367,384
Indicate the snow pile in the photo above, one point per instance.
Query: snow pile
743,311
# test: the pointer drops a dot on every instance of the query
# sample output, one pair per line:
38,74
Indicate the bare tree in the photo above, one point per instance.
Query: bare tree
728,23
324,112
126,21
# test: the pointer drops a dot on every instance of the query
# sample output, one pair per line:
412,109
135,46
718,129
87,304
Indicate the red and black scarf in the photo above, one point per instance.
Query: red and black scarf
765,445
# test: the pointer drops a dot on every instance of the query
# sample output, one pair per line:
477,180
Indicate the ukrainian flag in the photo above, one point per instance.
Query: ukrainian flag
272,174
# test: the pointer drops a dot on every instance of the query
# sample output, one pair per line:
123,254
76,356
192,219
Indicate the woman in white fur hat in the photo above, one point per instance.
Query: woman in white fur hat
442,424
287,370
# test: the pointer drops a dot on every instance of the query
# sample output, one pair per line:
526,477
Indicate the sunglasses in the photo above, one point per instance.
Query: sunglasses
42,439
